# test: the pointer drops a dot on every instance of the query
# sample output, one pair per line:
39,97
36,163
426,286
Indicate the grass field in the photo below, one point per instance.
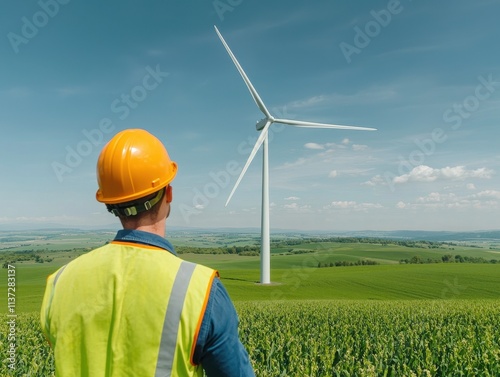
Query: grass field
388,319
382,282
297,276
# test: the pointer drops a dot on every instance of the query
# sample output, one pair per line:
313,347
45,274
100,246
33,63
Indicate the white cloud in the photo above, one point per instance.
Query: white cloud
333,174
300,161
420,173
375,181
298,208
342,204
309,102
364,206
352,205
423,173
433,197
488,194
333,145
328,147
484,200
313,146
401,205
359,147
459,172
292,198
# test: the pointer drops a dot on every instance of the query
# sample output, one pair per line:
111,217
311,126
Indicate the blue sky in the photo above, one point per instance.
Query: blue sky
425,74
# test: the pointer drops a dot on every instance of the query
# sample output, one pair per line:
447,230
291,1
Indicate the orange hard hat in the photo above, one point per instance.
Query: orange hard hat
132,165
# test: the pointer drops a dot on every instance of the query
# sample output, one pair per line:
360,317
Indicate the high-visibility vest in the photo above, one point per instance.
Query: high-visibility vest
126,310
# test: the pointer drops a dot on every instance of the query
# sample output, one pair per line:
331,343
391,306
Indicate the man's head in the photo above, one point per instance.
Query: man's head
134,172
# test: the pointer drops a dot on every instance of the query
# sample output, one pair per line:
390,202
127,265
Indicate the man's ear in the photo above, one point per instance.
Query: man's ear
169,194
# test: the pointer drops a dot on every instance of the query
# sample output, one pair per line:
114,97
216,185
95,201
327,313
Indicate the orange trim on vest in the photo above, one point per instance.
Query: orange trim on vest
139,245
202,314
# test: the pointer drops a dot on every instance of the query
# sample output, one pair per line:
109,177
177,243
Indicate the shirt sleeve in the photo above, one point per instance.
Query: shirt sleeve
219,349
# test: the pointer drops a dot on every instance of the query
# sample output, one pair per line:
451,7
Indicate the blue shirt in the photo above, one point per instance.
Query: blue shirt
218,348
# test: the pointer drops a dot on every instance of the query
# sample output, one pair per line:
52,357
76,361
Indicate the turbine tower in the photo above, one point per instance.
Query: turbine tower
263,126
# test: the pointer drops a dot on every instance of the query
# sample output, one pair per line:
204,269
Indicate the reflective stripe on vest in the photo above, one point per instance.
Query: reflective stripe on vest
172,320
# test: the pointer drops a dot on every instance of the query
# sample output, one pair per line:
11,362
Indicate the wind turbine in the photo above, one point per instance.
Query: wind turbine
263,126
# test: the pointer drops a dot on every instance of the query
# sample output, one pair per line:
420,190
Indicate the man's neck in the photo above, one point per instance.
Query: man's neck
157,228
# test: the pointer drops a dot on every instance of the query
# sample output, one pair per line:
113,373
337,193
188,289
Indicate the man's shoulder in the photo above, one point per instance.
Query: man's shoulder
206,269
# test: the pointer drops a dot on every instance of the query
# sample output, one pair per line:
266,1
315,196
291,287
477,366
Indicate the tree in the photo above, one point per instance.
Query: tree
447,258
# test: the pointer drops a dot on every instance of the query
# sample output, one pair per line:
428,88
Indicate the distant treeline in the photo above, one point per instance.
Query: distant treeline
26,258
361,262
448,258
254,250
37,256
247,250
367,240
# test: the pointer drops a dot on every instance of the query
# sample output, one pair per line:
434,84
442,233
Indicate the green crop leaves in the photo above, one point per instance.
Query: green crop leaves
366,338
33,356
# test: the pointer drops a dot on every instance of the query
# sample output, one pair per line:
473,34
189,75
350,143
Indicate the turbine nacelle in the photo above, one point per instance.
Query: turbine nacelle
261,124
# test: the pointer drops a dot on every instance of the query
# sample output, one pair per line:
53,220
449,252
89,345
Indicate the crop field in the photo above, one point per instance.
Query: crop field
363,338
389,319
338,338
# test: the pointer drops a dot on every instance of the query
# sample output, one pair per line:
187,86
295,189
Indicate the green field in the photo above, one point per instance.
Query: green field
382,282
297,276
387,319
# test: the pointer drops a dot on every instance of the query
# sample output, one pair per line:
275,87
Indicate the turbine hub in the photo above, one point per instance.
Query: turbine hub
261,124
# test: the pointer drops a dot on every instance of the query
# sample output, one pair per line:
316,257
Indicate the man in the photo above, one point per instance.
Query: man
132,307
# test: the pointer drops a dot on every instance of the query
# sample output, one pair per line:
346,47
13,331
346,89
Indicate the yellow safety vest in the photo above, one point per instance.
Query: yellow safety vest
126,310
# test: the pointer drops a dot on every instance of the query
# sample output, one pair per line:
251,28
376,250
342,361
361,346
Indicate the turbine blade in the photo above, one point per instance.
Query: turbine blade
250,87
256,147
300,123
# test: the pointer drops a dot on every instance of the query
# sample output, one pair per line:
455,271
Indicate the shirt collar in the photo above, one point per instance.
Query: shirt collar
146,238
